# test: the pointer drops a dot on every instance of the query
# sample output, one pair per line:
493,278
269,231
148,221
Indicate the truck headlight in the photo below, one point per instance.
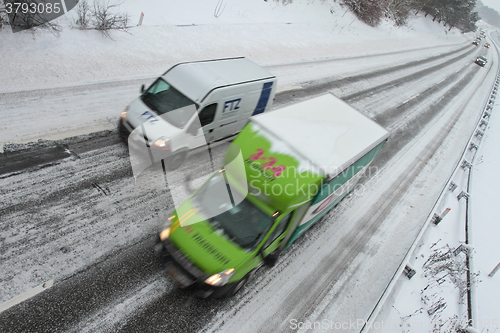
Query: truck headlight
162,142
164,234
220,279
166,230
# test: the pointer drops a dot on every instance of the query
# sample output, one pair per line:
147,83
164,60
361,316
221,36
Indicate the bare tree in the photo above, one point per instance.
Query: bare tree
83,14
105,19
103,16
4,19
368,11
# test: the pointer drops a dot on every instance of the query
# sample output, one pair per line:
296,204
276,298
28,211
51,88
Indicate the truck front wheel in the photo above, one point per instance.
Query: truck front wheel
237,286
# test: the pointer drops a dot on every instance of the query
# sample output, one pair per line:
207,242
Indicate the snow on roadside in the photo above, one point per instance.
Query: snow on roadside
96,77
435,298
77,57
485,228
173,31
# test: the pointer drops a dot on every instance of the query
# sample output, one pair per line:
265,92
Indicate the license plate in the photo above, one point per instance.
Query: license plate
181,280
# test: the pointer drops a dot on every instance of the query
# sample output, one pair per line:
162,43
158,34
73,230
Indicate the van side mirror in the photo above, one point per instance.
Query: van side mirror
193,129
143,88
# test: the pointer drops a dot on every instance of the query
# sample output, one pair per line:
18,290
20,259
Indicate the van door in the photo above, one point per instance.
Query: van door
265,95
229,121
202,130
207,116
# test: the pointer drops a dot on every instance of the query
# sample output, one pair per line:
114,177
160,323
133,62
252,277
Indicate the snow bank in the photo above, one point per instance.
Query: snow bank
173,31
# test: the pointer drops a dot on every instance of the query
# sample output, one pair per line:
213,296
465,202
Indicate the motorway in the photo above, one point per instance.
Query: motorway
71,211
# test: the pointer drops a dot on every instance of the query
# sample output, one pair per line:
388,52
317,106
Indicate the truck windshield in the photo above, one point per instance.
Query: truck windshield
163,99
230,213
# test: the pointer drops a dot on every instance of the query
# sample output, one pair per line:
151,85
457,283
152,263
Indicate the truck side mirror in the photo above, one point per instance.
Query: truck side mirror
143,88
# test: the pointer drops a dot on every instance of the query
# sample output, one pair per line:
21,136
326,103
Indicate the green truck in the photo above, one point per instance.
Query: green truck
283,172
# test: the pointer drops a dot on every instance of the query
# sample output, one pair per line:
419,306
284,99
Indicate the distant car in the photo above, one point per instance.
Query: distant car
481,61
475,42
487,45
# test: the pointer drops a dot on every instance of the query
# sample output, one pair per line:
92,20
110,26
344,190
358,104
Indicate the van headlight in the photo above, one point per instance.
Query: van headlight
221,278
163,143
124,114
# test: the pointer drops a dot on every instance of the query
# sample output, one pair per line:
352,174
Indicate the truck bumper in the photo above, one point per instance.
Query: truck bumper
185,274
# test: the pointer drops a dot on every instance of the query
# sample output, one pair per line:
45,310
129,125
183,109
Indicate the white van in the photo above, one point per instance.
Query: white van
197,103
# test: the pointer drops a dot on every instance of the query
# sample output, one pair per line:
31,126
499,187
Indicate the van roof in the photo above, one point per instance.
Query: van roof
196,79
325,130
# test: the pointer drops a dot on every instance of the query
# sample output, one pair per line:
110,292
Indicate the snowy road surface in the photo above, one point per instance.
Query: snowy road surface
71,212
81,220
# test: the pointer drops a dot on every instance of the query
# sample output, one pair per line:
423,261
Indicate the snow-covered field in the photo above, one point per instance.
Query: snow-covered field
90,67
79,82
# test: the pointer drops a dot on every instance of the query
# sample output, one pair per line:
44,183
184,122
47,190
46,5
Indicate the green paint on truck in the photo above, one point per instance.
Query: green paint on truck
283,172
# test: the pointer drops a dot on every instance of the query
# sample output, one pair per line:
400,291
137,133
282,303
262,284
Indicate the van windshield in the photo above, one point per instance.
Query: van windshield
232,214
162,98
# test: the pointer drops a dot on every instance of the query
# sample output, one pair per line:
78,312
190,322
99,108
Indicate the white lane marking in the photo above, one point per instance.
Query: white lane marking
26,295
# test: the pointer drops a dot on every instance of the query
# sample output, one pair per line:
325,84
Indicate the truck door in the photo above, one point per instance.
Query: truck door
277,236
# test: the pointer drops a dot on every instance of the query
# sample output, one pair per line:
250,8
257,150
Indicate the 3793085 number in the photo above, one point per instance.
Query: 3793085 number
32,8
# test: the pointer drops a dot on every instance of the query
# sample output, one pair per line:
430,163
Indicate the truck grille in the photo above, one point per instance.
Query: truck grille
184,262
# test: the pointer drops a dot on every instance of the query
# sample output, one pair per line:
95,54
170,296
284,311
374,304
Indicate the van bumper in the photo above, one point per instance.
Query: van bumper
140,144
124,129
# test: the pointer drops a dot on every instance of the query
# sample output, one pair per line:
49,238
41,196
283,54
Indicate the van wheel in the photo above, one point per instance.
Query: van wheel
175,161
122,131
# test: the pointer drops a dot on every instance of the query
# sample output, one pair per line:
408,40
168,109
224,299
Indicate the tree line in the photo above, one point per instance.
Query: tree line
488,14
451,13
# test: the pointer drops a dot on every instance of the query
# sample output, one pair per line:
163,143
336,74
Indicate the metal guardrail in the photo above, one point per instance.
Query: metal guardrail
478,133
